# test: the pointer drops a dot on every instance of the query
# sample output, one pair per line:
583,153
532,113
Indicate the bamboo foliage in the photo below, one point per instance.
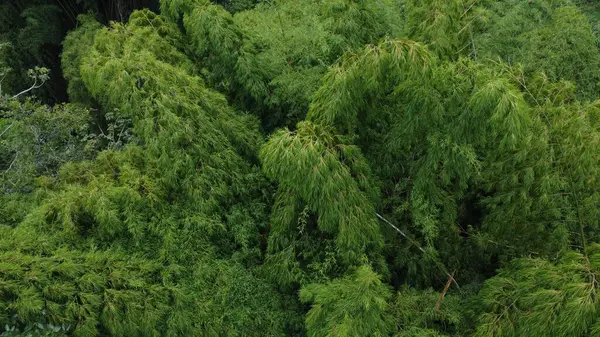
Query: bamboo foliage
301,168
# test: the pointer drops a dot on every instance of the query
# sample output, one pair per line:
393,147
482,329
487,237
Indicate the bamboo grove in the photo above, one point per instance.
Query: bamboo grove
300,168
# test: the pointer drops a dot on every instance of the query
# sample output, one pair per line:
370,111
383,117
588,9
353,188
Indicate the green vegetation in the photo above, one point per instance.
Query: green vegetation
299,168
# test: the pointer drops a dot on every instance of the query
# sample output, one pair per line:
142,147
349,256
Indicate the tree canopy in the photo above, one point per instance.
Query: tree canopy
299,168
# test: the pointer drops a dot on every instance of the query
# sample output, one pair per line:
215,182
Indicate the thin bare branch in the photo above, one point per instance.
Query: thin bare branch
34,86
12,163
7,128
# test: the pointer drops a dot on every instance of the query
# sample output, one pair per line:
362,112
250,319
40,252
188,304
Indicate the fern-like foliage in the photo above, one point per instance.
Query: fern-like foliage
75,47
192,153
271,59
537,297
321,171
547,36
94,292
148,223
446,27
397,94
430,168
352,306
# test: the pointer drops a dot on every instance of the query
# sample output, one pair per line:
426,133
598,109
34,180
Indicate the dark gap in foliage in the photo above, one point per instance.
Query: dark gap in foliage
33,21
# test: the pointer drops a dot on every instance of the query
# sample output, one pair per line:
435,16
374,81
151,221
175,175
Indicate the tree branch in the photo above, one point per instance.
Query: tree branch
414,242
7,128
443,294
11,164
34,86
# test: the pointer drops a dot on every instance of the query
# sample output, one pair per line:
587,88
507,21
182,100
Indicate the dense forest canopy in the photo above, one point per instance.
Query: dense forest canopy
300,168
